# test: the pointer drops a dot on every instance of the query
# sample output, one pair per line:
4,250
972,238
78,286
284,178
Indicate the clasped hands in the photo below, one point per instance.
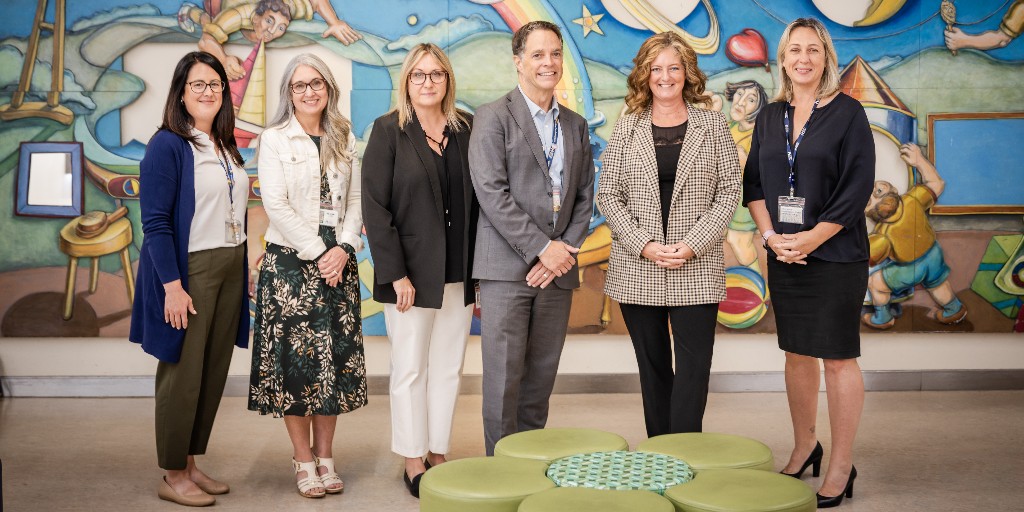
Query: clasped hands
793,248
555,261
668,256
332,265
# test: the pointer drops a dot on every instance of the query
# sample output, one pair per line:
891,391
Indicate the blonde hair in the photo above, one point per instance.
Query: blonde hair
336,128
454,119
829,83
639,94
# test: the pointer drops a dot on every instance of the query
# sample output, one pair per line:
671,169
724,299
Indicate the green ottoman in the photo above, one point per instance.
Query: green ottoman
619,471
703,450
566,499
482,484
549,444
742,490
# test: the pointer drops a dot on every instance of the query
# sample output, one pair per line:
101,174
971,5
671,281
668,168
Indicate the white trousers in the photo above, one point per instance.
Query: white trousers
427,349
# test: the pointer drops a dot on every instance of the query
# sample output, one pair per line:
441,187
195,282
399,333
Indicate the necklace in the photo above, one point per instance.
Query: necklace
440,145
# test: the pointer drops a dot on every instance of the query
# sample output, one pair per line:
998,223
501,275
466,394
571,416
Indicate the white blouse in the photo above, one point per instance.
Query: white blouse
208,230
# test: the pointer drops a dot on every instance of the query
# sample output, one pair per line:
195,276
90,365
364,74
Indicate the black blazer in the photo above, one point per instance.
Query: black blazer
403,213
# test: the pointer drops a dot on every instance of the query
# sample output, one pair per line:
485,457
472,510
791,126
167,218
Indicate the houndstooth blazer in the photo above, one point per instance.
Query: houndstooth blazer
704,197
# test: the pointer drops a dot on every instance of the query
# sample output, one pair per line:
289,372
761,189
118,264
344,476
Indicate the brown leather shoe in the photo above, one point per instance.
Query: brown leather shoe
166,493
213,487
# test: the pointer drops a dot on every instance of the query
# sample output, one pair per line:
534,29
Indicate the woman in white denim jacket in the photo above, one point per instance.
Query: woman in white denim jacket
307,360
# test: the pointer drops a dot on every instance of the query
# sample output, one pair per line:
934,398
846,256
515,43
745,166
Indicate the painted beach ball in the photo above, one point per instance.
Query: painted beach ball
746,298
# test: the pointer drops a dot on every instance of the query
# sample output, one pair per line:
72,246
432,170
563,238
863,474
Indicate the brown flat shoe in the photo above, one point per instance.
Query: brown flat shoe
214,487
166,493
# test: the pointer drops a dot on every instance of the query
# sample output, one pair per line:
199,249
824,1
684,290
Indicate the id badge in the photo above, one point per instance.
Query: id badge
791,209
328,214
556,198
232,232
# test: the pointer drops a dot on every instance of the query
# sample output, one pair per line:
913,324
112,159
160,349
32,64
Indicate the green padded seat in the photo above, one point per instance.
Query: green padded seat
482,484
620,471
549,444
568,499
703,450
742,490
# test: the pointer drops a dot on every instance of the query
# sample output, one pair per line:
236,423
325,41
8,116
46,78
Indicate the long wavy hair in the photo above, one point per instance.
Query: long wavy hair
336,128
454,118
829,83
639,94
177,119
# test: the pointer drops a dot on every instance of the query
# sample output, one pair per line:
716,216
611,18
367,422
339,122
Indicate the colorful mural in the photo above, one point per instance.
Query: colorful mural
82,86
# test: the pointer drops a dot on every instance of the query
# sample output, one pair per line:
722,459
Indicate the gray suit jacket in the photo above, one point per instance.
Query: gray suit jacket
510,175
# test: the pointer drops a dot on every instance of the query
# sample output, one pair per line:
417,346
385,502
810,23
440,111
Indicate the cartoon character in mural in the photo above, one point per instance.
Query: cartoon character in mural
747,98
258,20
1009,29
903,244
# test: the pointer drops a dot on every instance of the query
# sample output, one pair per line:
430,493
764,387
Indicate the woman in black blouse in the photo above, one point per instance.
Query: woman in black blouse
420,215
811,216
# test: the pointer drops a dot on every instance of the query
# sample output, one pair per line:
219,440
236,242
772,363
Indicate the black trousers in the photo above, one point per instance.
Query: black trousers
673,402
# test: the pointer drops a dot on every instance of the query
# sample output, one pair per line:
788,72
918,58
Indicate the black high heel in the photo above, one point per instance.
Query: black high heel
835,501
813,460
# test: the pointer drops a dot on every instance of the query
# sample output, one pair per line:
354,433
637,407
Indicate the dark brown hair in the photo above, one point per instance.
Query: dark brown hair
519,38
177,119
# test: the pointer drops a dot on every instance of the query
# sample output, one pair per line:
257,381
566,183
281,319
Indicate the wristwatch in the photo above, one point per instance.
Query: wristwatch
766,235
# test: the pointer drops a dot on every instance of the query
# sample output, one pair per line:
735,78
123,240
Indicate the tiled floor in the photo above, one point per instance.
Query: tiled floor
946,451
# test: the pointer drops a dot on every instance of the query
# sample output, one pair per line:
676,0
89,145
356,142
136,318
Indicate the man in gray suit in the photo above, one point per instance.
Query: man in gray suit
531,164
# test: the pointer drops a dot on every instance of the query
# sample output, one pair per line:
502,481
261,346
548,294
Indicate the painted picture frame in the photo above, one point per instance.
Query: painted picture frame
50,181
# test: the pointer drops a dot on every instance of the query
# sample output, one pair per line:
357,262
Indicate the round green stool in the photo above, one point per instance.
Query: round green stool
742,490
482,484
567,499
620,471
703,450
549,444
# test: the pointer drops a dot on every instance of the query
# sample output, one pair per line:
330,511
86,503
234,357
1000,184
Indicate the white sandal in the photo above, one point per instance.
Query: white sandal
332,482
312,481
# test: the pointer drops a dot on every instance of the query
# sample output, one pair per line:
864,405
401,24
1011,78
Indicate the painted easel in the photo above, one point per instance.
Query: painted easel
18,108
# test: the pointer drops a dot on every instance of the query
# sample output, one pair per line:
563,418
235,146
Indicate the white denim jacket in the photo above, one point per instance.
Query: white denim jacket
289,173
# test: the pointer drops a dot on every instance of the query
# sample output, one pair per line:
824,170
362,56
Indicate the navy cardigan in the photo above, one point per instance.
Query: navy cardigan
167,197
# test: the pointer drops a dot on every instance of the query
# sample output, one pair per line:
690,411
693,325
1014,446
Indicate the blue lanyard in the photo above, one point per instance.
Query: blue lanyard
550,156
229,173
791,150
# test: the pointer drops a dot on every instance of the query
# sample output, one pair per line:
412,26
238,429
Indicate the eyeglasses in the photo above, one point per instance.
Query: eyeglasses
199,86
436,76
317,84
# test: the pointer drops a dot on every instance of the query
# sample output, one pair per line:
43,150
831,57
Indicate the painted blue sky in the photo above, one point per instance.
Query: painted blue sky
903,34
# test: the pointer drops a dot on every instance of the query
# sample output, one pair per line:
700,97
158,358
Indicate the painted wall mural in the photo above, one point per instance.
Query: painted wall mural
82,86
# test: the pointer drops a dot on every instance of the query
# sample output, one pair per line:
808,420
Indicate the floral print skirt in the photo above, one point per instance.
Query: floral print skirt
307,350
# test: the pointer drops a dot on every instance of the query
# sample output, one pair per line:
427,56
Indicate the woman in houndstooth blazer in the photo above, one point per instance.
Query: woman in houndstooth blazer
670,183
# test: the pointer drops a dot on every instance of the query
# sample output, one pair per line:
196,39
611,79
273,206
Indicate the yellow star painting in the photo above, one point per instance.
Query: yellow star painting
589,22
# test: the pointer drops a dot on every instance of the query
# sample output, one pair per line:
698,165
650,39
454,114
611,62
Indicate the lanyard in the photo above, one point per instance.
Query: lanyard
230,175
791,150
550,155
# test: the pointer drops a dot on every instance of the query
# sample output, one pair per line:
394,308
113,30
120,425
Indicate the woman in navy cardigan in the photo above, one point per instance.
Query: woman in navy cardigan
190,303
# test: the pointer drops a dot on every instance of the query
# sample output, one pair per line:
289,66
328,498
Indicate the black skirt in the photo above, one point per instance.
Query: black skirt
817,306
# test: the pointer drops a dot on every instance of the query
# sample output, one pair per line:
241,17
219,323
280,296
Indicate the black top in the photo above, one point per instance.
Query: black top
449,167
835,172
668,142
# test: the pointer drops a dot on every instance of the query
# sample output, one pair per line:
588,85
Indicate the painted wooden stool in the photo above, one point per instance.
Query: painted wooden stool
116,238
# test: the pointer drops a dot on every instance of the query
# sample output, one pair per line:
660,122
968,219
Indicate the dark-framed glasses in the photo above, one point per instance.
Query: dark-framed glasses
437,76
199,86
317,84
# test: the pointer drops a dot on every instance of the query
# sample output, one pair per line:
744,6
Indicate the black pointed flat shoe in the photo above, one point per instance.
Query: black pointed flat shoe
414,484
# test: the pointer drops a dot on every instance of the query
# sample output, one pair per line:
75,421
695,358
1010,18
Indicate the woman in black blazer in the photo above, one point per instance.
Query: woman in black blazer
420,215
